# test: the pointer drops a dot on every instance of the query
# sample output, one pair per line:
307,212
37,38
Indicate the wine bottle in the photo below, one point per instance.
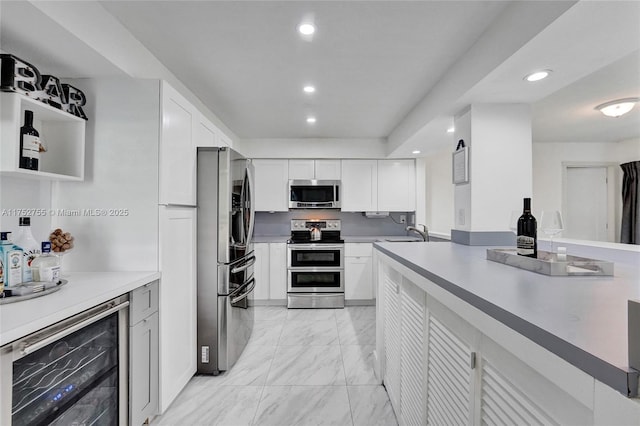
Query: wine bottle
29,143
527,238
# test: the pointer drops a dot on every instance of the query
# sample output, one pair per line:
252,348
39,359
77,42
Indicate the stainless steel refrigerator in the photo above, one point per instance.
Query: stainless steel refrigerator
225,257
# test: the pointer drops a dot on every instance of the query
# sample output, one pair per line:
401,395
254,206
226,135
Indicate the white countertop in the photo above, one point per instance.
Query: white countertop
581,319
83,291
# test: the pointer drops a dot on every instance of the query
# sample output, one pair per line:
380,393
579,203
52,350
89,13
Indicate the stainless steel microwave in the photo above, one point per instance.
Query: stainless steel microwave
314,194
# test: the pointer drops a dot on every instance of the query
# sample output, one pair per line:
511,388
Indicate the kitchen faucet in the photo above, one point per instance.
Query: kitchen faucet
424,233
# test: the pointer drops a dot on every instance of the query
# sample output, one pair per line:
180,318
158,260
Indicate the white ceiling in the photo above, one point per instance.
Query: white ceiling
374,63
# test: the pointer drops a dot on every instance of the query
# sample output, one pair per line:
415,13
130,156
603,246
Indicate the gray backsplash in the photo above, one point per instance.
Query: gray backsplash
353,224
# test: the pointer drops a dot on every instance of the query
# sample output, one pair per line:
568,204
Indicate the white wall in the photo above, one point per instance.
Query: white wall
548,159
312,148
438,215
33,196
499,141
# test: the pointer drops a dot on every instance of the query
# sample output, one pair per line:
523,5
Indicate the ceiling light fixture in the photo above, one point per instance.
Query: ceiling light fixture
537,76
617,108
311,120
306,29
309,89
451,129
415,151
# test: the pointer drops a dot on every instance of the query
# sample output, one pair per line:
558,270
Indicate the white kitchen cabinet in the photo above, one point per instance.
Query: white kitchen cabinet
272,185
390,294
378,185
278,271
207,134
177,300
359,185
143,353
315,169
62,133
396,185
358,271
261,271
177,148
302,169
328,169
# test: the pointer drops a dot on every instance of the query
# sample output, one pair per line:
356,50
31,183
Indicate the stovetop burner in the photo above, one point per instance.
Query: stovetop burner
301,231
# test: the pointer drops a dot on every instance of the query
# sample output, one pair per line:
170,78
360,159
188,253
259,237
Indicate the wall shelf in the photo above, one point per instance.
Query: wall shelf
62,133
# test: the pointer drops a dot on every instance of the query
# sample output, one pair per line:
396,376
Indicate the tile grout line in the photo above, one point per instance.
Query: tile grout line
253,421
344,370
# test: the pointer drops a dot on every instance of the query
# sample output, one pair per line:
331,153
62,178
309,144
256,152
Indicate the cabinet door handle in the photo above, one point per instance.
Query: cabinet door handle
472,360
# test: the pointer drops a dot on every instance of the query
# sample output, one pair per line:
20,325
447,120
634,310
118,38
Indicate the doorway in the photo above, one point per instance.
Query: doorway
589,206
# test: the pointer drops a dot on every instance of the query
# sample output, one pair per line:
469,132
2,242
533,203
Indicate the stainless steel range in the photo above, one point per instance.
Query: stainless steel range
315,264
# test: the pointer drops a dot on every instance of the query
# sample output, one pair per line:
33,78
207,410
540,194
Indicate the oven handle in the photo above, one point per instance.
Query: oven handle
252,285
313,246
28,348
244,266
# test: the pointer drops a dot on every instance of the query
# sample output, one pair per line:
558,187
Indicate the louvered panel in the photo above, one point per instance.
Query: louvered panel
503,403
412,395
449,377
392,341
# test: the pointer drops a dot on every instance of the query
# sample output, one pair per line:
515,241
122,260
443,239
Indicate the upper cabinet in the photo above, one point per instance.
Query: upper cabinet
396,185
61,133
272,183
209,135
359,185
378,185
315,169
180,121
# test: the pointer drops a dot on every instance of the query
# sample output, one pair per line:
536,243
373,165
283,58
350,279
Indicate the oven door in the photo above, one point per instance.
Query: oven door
315,256
74,372
315,280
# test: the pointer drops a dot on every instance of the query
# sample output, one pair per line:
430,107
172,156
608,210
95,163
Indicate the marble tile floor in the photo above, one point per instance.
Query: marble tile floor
301,367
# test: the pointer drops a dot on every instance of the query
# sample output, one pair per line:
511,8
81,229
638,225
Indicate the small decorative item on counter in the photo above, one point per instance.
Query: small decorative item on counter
562,253
11,257
46,267
61,241
29,246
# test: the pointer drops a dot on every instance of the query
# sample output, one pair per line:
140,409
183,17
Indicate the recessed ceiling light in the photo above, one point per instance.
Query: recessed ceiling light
537,76
415,152
451,129
311,120
306,28
309,89
617,108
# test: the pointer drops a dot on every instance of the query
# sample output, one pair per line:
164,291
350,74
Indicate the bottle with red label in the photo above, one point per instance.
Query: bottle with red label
30,145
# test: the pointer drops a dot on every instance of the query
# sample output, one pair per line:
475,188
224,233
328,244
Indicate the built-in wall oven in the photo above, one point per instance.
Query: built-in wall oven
72,373
315,264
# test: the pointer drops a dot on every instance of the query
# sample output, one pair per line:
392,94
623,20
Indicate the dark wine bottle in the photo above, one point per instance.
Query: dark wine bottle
527,235
29,143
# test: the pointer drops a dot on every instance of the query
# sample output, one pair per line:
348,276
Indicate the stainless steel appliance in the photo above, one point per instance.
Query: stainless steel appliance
315,267
73,372
225,257
314,194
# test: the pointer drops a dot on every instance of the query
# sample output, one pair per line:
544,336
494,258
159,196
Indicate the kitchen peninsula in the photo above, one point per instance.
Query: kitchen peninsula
482,341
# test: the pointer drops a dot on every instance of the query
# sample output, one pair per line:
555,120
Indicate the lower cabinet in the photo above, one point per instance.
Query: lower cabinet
271,272
143,354
439,369
358,271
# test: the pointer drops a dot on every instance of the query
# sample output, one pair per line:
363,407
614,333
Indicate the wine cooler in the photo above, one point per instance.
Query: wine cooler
72,373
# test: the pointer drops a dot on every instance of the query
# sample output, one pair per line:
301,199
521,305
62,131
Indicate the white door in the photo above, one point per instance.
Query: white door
359,185
272,185
585,210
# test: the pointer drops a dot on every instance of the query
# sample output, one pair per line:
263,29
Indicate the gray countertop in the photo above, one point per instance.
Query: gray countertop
581,319
347,238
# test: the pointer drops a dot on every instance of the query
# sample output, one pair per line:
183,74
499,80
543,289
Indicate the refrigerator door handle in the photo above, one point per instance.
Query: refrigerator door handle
252,208
252,285
250,261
